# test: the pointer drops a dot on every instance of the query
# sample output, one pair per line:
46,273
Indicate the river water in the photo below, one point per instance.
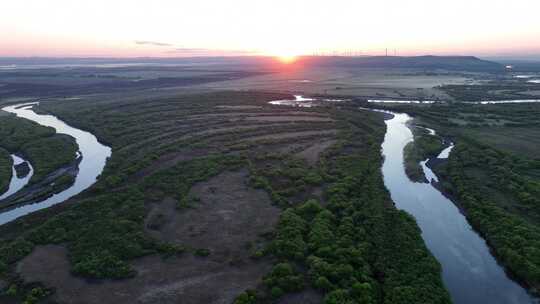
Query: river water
401,101
485,102
305,102
16,183
94,157
469,271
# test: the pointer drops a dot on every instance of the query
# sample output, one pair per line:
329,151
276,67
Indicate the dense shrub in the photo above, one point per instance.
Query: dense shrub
356,248
46,150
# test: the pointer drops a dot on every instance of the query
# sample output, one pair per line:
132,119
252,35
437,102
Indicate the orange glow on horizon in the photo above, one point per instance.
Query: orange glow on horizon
286,59
265,28
285,56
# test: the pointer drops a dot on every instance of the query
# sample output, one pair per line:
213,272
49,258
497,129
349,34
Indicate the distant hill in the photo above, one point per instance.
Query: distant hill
462,63
456,63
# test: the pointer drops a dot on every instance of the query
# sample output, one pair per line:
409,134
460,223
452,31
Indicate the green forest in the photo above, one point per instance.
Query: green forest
5,169
339,235
46,150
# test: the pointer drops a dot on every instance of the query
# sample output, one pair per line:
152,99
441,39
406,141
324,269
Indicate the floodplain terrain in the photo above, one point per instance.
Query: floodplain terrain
213,195
220,160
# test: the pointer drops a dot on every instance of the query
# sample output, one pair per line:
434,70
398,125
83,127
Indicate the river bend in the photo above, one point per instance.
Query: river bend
94,157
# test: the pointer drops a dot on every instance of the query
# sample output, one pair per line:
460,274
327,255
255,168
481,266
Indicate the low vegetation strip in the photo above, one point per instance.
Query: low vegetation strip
423,147
6,164
49,154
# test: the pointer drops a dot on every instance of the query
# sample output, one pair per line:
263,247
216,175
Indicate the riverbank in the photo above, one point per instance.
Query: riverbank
6,164
426,145
22,172
90,166
443,184
40,145
493,173
470,271
53,183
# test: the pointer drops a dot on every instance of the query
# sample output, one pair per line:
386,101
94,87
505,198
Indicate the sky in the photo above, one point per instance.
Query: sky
173,28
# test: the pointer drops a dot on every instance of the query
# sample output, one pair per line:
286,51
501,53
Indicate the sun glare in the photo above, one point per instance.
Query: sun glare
287,58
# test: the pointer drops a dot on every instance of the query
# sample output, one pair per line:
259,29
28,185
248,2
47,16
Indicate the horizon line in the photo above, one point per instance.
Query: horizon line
532,58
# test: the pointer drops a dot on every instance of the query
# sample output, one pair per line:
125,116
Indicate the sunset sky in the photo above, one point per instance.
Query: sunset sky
166,28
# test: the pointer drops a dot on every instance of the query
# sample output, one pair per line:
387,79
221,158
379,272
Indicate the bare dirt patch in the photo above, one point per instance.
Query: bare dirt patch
228,220
308,296
186,279
290,118
224,114
225,130
250,114
168,160
242,107
292,147
292,135
227,216
313,153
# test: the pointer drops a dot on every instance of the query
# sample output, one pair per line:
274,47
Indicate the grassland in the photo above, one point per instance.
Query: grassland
493,172
353,82
241,200
353,77
502,86
47,82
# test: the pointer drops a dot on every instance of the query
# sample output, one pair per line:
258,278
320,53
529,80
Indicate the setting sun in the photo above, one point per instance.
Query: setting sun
203,151
41,31
287,58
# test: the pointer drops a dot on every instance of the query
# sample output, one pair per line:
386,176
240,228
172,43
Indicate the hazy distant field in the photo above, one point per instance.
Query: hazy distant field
246,74
351,82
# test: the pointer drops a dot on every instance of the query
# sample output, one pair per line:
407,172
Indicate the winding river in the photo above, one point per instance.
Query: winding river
469,271
94,157
305,102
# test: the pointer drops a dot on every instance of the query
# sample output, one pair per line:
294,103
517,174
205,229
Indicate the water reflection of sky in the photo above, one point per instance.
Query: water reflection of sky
17,183
470,272
304,102
94,157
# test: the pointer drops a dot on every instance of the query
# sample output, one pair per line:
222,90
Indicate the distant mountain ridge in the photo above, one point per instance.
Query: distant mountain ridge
465,63
462,63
